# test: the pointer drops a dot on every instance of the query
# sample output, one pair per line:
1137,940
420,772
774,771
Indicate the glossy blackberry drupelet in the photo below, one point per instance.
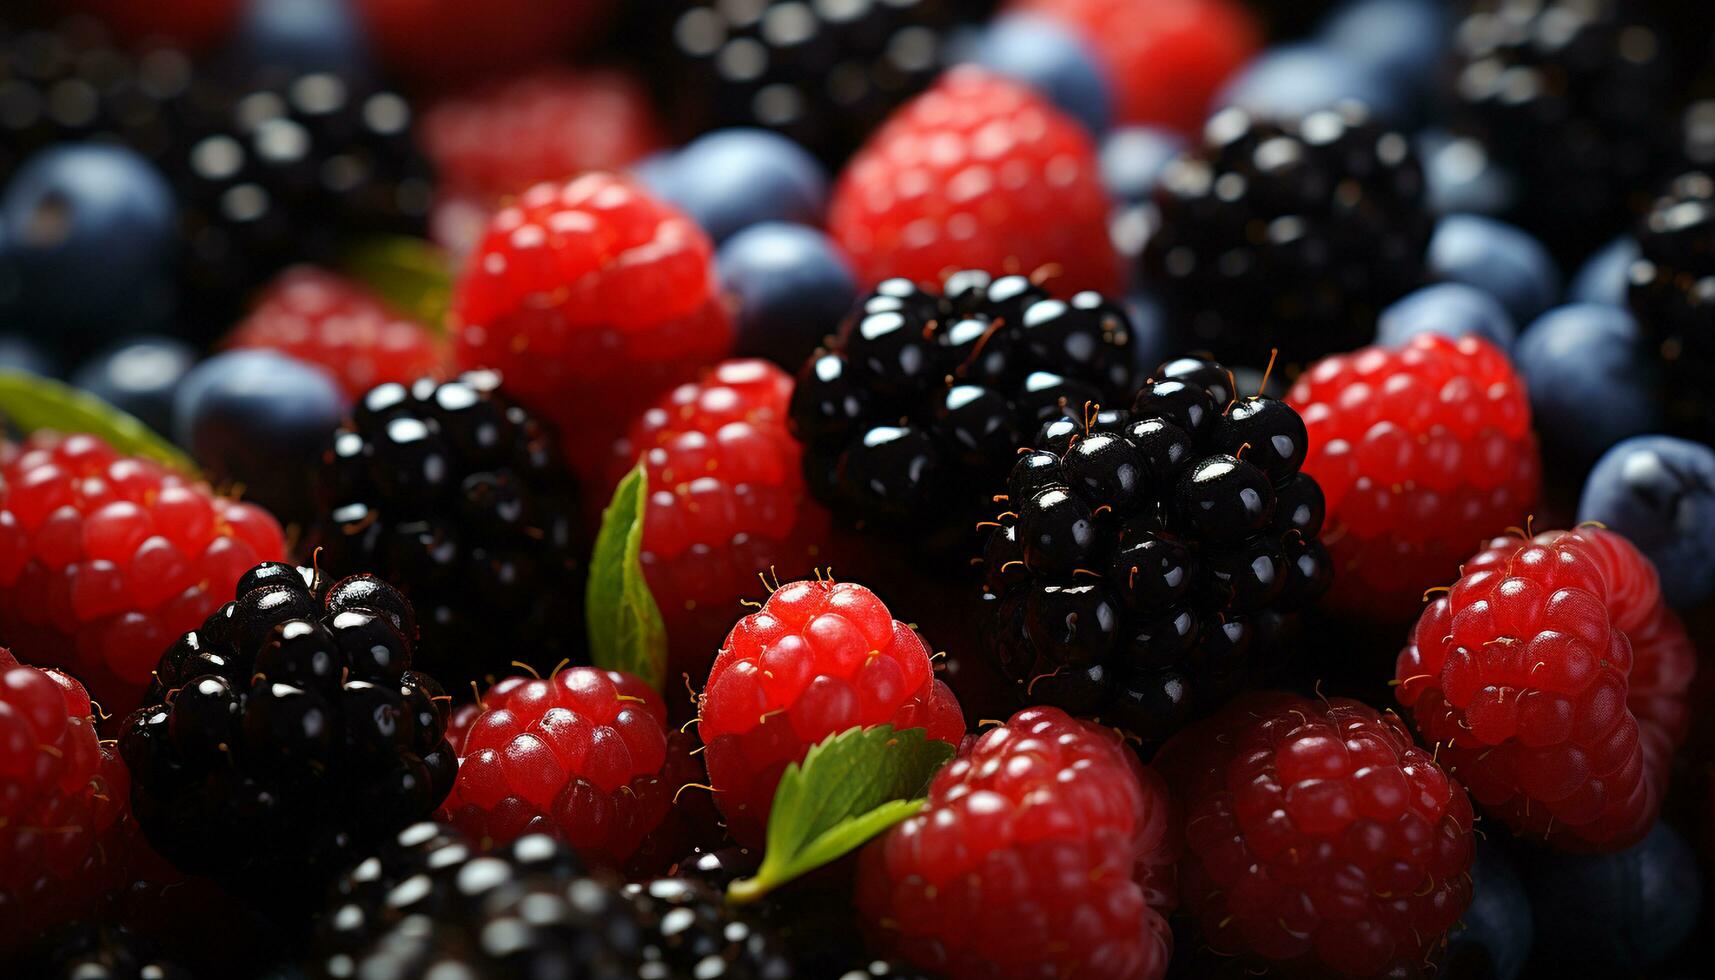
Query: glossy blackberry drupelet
1152,561
430,904
460,498
823,74
913,416
1291,234
97,951
1671,290
286,736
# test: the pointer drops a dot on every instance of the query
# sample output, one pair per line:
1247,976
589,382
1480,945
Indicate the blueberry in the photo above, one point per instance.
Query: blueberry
1660,492
734,178
299,37
1460,177
1451,308
1497,258
1049,57
1604,276
139,376
18,353
89,242
792,285
1616,914
259,418
1590,380
1401,40
1494,936
1133,159
1297,79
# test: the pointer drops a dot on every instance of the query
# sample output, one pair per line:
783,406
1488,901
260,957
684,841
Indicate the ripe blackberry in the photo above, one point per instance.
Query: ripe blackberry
1152,560
1288,234
458,496
1672,293
921,403
287,735
823,74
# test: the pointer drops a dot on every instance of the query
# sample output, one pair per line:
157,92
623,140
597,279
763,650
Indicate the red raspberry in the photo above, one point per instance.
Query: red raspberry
1419,450
326,319
194,24
1318,837
977,173
592,298
105,559
437,42
818,658
1046,850
726,501
62,802
551,123
1527,679
1166,59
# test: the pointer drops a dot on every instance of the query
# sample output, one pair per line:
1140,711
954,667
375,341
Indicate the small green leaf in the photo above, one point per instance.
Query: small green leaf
30,402
625,628
411,275
849,788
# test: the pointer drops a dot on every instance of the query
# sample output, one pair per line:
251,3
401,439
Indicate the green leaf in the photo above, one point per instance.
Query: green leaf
849,788
411,275
30,402
625,628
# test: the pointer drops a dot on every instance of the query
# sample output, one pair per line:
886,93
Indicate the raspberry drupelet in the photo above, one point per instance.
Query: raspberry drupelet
818,658
1421,451
1554,681
1046,849
1318,838
105,558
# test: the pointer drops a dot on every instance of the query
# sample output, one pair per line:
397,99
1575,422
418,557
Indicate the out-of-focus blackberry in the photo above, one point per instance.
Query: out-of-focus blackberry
461,499
430,905
1288,234
1672,293
825,74
1152,561
97,951
919,407
288,735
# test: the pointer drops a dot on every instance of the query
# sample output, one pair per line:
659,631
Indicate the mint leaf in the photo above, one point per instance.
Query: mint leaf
410,274
849,788
625,628
30,402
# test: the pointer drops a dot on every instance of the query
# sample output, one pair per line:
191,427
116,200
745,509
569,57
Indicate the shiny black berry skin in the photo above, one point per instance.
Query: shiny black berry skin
459,498
1288,234
286,737
918,410
1160,557
1671,291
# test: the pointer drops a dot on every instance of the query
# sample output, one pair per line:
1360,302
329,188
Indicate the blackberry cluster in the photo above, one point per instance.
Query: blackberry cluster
1288,234
287,735
460,498
1153,559
97,951
431,905
1672,293
924,399
825,75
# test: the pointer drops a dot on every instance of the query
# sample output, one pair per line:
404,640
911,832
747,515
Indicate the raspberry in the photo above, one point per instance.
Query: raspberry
583,755
1527,678
1046,849
105,557
592,298
979,172
287,735
1166,59
1318,837
726,501
62,802
326,319
459,497
548,123
437,42
818,658
1419,450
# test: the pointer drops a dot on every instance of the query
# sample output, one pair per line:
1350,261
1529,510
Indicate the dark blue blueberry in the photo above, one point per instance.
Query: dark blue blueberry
23,354
1450,308
1047,56
1660,492
1605,275
1590,380
292,37
139,376
1404,41
734,178
1460,177
792,285
1503,261
1494,936
1297,79
1133,158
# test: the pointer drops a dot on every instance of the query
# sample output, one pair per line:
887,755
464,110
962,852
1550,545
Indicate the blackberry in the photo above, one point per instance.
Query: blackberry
924,398
460,498
1153,560
824,74
287,735
97,951
1672,293
430,904
1288,234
